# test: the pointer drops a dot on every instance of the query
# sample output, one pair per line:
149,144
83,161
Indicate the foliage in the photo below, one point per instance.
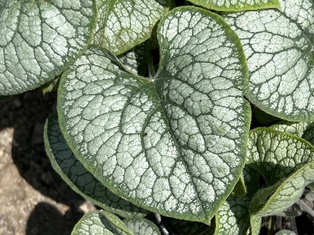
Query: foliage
154,107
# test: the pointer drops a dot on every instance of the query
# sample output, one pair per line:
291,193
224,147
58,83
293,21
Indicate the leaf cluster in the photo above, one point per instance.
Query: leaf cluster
173,117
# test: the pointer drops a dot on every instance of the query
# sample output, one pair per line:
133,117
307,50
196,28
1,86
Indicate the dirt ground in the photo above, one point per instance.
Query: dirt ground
33,198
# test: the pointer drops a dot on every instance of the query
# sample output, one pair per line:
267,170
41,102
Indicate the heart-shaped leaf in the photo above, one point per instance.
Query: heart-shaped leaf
39,39
78,178
230,5
174,144
279,48
101,223
125,24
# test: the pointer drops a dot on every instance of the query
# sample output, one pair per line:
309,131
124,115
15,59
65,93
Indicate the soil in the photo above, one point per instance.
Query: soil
33,198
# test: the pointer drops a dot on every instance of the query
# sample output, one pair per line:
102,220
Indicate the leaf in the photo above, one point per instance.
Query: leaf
238,5
256,204
125,24
285,232
141,226
75,175
104,223
240,188
101,223
276,155
286,194
287,165
303,130
233,216
279,49
292,128
51,86
174,144
135,60
39,39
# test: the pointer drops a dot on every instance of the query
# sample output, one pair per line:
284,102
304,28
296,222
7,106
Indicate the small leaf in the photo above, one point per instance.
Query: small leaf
287,165
233,215
240,188
230,5
141,226
51,86
279,48
303,130
125,24
285,232
174,144
39,39
289,191
257,203
75,175
276,155
285,195
292,128
101,223
136,60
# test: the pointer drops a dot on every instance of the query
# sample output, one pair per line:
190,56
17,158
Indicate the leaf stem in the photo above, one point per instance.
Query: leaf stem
305,207
151,67
270,226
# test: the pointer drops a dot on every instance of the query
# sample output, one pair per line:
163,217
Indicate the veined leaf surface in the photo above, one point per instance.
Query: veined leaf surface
276,155
303,130
282,196
141,226
285,232
78,178
101,223
38,39
124,24
174,144
105,223
237,5
233,215
287,164
279,48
